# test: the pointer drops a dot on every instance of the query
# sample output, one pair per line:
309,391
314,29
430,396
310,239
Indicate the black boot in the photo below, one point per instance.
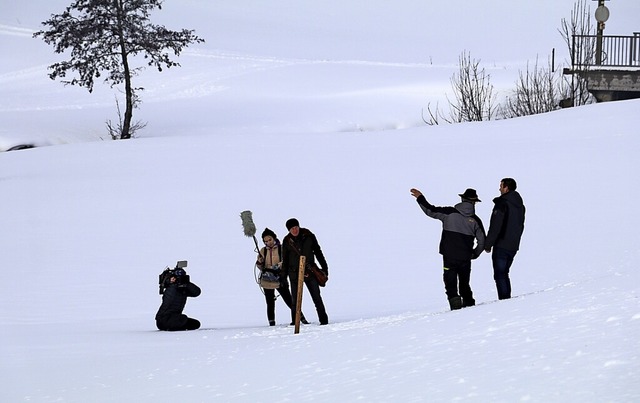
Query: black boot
455,303
324,319
468,302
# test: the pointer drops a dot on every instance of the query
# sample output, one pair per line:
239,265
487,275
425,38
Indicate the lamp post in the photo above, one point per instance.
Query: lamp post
602,15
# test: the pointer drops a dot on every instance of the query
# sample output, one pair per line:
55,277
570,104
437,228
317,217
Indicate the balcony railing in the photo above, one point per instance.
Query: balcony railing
594,51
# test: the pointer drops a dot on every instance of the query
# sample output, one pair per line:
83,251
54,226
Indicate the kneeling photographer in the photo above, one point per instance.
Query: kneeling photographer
175,287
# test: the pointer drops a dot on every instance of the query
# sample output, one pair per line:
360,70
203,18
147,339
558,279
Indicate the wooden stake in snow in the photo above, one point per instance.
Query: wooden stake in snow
303,261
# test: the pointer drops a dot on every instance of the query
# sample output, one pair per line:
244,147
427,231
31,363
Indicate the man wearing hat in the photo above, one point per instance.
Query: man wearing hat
302,242
461,228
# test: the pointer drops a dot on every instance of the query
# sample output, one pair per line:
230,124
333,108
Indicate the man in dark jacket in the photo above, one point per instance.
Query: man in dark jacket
461,228
302,242
505,230
177,287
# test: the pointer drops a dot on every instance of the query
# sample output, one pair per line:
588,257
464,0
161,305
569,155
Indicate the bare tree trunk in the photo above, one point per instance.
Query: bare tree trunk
128,90
128,113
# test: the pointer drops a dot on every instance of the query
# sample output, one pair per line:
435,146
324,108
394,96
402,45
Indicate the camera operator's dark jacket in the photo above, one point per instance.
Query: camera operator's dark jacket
460,227
306,244
174,298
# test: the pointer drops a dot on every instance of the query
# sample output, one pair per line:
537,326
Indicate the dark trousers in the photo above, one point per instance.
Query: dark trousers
314,292
456,276
177,322
270,297
502,260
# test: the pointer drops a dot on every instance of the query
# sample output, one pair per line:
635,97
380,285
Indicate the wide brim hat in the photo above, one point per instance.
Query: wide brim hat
471,195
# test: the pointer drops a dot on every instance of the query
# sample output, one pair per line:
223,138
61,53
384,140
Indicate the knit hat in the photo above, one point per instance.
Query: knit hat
470,195
292,222
268,232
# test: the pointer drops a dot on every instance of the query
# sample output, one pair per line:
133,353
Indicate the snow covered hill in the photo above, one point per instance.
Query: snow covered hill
330,135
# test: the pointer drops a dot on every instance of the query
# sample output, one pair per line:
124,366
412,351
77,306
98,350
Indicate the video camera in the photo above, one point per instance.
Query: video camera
182,278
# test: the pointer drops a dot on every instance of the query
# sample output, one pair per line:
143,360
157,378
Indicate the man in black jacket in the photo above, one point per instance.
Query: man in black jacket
302,242
176,288
461,228
505,230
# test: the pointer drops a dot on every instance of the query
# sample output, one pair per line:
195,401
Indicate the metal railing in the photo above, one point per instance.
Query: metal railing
615,51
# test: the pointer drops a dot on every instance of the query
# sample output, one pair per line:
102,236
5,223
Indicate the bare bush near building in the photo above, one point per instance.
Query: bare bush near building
474,95
579,24
537,91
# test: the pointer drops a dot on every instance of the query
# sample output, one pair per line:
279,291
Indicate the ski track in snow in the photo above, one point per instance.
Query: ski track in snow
186,85
10,30
22,74
226,55
246,64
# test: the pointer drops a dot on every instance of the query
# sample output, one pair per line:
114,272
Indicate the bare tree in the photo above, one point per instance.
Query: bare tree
105,35
473,92
579,24
537,91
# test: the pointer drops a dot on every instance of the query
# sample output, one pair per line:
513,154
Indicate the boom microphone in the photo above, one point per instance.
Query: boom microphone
247,223
248,226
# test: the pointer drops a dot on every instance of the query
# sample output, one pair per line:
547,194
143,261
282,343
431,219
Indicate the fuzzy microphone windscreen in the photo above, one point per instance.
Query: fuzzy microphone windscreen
247,223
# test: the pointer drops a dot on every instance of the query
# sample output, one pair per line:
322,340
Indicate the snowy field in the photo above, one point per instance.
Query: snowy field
313,111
